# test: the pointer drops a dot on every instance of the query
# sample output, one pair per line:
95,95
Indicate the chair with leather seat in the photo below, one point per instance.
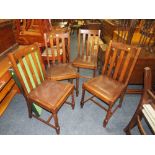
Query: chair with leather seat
38,91
119,63
145,108
58,68
88,44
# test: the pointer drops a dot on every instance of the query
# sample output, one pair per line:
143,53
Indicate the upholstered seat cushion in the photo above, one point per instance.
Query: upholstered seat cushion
105,88
51,94
85,62
61,71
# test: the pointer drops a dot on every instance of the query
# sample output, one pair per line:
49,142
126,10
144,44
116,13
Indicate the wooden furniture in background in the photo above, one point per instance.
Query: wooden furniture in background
148,98
57,66
119,63
7,38
8,88
125,30
87,50
31,32
146,59
107,29
48,94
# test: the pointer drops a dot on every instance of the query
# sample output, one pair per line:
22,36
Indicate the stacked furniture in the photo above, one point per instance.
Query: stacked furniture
8,88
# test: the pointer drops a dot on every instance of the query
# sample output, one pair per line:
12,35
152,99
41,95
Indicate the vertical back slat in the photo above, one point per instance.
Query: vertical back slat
79,36
68,47
31,70
36,66
125,66
83,43
107,56
52,49
25,75
64,50
93,44
58,48
46,48
112,63
87,45
118,65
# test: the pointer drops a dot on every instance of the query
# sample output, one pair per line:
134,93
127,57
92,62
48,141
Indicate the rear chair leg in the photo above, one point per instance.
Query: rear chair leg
77,86
82,98
121,100
56,123
29,105
94,73
78,69
73,101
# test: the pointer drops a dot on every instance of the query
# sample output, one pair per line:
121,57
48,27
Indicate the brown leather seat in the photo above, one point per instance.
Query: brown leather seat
105,88
51,94
61,72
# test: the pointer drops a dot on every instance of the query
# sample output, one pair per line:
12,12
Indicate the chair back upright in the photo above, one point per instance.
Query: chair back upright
28,67
59,47
125,30
88,42
147,33
120,60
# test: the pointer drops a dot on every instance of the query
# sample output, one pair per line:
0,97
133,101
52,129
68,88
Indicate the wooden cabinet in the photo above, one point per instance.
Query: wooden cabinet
8,88
7,38
146,59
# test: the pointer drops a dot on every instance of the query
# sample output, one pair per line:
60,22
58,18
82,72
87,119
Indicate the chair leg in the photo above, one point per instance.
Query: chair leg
109,113
133,122
94,73
30,110
73,101
56,123
82,98
29,105
77,86
78,69
121,99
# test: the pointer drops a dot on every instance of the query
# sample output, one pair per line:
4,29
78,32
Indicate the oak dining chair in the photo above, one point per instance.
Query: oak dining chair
39,91
88,44
58,68
119,63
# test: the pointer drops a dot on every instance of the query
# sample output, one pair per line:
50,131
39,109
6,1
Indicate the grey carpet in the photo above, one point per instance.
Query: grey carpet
86,121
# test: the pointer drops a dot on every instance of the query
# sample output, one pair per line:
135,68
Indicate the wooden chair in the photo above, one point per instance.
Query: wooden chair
87,50
148,98
56,56
47,94
125,30
120,60
147,35
30,31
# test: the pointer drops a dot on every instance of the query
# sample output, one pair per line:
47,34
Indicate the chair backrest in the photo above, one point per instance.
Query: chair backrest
87,41
59,47
147,33
120,60
125,30
28,67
